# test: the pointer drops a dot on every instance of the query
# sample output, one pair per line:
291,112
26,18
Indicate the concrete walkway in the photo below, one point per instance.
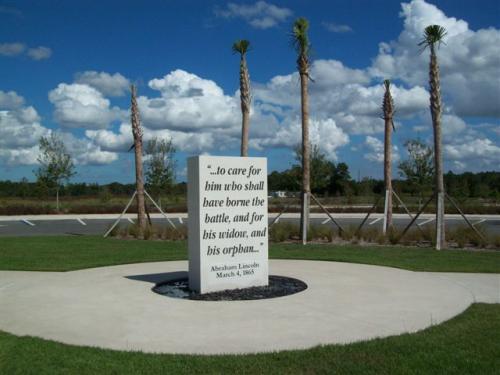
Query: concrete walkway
114,307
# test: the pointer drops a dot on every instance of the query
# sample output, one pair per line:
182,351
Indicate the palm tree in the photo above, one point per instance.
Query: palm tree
433,35
242,47
139,182
301,44
388,109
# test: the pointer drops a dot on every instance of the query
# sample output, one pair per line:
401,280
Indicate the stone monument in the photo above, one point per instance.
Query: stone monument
228,223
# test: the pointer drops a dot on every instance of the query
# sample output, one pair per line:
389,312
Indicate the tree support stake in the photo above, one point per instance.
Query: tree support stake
465,218
416,217
328,213
368,215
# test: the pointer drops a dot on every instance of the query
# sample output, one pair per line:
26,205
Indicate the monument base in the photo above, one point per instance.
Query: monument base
279,286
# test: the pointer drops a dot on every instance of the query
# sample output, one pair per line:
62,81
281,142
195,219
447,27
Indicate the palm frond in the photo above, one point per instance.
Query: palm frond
241,46
433,34
300,40
388,104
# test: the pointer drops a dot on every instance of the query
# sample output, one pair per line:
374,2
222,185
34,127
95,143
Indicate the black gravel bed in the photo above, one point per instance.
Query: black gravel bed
279,286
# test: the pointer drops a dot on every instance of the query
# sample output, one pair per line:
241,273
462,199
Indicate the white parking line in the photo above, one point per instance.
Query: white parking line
375,221
180,219
326,221
27,222
425,221
81,221
479,222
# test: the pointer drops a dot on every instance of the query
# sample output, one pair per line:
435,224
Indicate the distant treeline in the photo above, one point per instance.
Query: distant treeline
334,182
26,189
338,182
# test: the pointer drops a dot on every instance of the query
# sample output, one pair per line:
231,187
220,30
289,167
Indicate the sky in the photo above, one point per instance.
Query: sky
66,67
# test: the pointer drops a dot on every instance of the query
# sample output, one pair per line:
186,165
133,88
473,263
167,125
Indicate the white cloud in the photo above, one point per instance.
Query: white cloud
199,117
342,94
452,125
81,106
108,84
111,141
85,152
21,130
19,125
469,61
22,156
331,73
16,49
12,49
10,100
473,153
324,133
337,28
39,53
188,103
375,148
189,142
261,15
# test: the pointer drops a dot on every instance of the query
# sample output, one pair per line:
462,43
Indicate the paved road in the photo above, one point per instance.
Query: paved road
36,225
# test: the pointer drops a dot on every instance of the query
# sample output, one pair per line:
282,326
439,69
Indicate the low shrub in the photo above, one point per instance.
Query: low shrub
320,233
284,231
169,233
349,233
151,232
458,237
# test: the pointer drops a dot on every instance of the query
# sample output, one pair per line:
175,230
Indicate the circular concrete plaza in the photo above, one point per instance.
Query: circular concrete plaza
114,307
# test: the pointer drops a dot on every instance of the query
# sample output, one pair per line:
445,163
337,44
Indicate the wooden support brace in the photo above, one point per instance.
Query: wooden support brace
406,209
277,217
121,215
416,217
368,215
326,211
159,209
465,218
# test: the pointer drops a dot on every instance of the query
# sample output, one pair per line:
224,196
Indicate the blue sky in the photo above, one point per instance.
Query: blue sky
65,66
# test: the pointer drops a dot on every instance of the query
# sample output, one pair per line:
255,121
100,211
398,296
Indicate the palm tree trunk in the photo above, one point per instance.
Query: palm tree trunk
137,133
435,102
388,109
57,199
306,182
245,104
141,209
388,174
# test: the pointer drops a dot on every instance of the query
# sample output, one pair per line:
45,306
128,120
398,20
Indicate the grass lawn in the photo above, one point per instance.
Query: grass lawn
466,344
70,253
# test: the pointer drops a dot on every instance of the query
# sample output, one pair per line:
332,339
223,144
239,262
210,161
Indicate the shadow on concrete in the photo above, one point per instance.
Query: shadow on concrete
156,278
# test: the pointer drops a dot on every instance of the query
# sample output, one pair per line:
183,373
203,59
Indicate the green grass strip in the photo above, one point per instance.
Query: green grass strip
65,253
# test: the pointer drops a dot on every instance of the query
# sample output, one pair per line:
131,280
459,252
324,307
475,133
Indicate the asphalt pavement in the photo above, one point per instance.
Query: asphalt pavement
38,225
